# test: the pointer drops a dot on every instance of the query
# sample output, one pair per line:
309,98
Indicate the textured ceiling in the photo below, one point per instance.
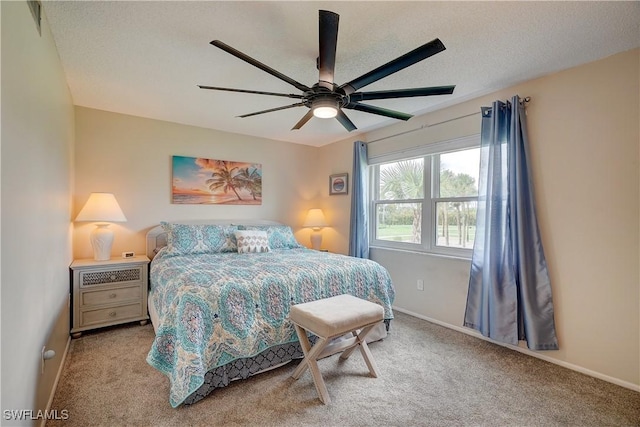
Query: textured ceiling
147,58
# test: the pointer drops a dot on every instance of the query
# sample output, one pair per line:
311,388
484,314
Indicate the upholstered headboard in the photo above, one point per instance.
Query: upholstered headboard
157,237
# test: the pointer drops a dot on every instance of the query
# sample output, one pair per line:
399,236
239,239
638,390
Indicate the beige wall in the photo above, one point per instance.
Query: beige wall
334,159
131,157
584,136
37,159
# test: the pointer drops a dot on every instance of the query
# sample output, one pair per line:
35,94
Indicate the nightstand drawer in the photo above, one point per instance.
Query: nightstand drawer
110,296
109,277
111,314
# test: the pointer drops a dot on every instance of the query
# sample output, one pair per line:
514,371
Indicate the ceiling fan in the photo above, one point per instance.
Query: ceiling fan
325,99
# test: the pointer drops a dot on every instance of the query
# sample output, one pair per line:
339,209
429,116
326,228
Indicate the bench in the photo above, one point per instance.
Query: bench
330,318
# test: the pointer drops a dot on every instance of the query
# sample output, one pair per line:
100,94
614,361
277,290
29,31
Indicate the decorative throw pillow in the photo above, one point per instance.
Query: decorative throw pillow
280,236
185,239
252,241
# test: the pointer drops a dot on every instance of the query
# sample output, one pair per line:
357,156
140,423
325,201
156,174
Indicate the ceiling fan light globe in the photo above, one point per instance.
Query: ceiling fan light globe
325,112
325,108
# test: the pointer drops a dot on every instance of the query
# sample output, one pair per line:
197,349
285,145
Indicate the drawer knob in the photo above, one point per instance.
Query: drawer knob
113,295
112,314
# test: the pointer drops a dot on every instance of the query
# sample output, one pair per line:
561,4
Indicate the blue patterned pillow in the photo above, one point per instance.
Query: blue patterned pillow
185,239
280,236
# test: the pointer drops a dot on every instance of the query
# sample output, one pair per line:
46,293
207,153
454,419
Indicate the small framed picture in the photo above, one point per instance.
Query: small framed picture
339,184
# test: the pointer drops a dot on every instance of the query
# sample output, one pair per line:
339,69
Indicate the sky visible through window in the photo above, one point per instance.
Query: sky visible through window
465,161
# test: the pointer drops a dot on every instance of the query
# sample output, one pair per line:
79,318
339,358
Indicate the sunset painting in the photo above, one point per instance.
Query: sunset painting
207,181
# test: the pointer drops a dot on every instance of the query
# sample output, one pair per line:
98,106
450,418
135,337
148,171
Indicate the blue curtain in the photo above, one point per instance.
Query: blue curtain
509,295
359,230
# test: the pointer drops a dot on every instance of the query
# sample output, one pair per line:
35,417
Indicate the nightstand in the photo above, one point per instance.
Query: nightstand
109,293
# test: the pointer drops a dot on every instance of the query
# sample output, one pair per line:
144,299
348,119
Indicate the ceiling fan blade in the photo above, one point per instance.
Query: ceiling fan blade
258,64
299,104
303,120
378,110
402,93
288,95
400,63
344,121
328,37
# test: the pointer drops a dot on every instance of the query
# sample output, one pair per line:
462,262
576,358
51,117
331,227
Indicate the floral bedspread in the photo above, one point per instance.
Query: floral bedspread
216,308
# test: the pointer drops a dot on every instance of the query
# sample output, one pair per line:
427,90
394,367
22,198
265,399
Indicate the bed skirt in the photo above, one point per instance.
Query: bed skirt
242,369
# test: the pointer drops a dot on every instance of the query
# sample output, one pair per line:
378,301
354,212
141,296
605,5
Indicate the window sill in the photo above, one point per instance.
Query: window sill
425,253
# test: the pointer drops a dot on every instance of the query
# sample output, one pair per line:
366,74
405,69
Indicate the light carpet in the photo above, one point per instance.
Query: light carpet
430,376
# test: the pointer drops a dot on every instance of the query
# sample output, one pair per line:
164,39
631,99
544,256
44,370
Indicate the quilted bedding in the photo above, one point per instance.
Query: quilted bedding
221,307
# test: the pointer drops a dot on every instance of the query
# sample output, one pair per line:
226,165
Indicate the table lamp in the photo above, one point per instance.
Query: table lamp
102,208
315,220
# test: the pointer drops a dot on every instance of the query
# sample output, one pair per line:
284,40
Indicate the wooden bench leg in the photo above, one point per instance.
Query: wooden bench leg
364,349
310,360
306,348
311,355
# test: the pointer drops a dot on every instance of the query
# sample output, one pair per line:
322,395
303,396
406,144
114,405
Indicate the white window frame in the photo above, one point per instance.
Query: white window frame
429,234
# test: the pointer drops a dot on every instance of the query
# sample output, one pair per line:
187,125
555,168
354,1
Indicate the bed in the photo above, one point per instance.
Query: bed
220,295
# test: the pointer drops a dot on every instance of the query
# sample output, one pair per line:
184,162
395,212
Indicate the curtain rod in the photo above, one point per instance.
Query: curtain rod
524,100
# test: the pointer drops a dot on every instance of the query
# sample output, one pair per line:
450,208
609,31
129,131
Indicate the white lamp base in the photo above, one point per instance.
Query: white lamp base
316,239
101,240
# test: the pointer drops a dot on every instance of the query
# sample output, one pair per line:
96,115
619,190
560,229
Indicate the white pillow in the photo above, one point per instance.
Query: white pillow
252,241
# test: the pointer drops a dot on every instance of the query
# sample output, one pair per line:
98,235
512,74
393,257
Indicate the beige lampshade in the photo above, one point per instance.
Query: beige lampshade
315,219
101,207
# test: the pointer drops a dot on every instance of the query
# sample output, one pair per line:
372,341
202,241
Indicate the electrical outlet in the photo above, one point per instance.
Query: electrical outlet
420,285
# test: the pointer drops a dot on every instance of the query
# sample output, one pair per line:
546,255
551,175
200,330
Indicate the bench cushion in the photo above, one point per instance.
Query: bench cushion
337,315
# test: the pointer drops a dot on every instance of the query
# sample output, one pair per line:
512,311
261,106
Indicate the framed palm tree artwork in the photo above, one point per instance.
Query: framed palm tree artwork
201,181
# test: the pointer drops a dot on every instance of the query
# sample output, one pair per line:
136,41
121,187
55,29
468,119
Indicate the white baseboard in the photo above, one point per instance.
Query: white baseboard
582,370
55,383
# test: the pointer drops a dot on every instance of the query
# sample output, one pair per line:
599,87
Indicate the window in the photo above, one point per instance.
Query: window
427,202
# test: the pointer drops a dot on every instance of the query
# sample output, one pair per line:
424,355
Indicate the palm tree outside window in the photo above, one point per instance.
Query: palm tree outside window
427,203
